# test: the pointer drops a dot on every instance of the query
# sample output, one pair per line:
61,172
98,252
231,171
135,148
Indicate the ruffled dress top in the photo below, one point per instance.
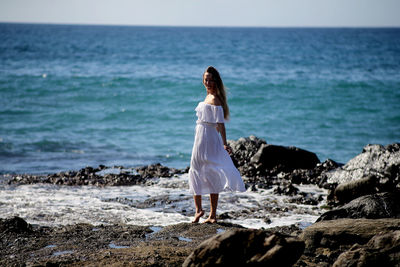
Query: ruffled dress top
211,168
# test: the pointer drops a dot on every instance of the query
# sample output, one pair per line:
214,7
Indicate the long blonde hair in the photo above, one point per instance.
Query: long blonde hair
221,90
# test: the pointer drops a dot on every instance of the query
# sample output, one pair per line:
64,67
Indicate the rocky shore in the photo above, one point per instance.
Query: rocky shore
100,176
361,227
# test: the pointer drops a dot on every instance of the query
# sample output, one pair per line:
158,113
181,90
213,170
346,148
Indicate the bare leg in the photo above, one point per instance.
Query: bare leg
213,212
199,209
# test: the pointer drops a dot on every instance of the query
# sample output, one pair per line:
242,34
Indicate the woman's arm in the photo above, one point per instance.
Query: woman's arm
222,131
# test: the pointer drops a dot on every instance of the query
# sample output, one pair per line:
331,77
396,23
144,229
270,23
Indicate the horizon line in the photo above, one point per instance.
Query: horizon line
201,26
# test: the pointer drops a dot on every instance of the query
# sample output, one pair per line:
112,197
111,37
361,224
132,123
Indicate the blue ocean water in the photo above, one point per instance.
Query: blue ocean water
73,96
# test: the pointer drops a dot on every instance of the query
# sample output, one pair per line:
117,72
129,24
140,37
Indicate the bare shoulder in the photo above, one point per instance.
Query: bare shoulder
215,101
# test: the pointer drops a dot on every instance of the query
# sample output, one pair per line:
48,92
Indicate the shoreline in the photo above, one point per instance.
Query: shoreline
279,181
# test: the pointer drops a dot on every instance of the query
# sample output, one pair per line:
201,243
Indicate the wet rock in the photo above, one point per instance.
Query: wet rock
380,161
380,205
91,176
247,247
119,180
26,179
316,175
381,250
306,199
14,225
286,189
85,176
185,170
157,170
326,240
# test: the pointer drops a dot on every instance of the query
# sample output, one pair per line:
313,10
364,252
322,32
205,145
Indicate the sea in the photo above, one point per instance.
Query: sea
81,95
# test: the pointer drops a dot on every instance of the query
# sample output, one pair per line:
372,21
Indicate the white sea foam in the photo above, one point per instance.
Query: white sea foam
164,203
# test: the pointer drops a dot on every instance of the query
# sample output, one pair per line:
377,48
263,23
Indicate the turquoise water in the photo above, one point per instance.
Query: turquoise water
73,96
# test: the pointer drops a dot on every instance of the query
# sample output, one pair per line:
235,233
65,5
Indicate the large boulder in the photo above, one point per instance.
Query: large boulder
264,165
334,234
247,247
346,192
381,250
284,158
326,240
377,160
380,205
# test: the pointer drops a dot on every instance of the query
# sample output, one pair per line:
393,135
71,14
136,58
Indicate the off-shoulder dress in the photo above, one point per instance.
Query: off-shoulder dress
211,168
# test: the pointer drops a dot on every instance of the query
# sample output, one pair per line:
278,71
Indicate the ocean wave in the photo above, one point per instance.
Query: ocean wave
166,202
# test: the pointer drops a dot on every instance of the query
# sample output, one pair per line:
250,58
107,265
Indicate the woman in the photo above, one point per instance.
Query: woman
211,168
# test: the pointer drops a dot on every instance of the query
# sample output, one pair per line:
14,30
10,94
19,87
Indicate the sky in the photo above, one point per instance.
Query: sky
259,13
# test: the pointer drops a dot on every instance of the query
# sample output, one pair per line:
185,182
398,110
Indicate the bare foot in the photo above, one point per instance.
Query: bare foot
210,220
197,216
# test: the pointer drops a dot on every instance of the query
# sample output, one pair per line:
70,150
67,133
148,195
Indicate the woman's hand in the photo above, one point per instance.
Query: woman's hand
228,149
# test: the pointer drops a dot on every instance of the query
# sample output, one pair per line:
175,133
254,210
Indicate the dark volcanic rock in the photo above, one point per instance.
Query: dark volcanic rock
242,151
247,247
284,158
286,189
85,176
316,175
14,225
380,205
306,199
91,176
157,170
381,250
326,240
265,165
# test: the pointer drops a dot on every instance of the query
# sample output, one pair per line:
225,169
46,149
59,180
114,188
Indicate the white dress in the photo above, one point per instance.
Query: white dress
211,168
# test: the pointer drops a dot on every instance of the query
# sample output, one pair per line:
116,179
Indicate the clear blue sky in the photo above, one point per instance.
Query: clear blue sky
297,13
